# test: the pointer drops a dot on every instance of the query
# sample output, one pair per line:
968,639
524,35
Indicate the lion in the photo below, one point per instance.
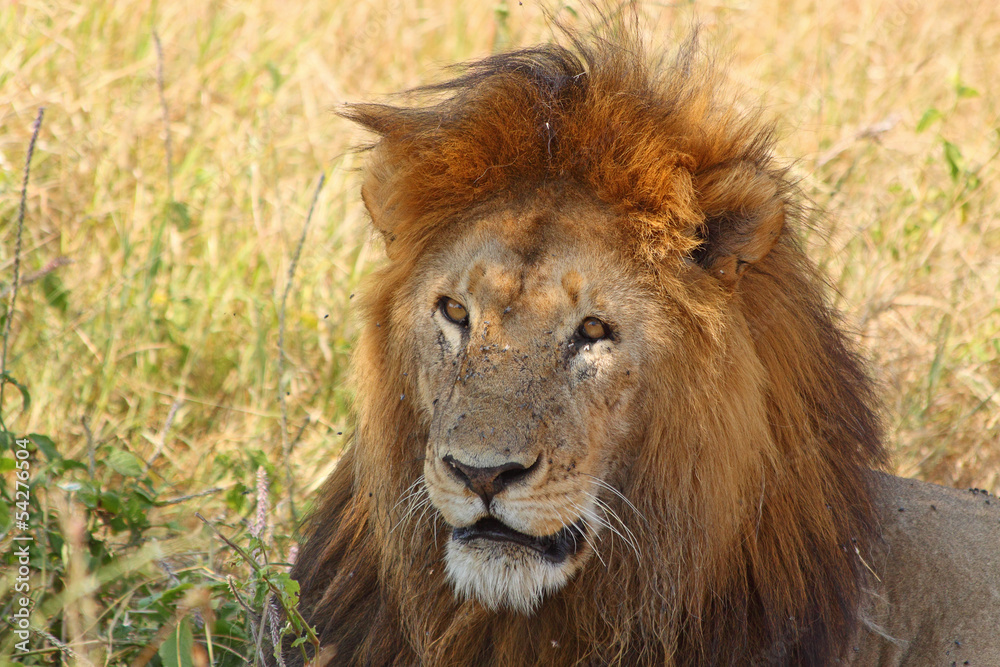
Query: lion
605,412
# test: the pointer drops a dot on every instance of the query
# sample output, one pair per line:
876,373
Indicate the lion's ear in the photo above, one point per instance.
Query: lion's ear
377,192
387,161
744,208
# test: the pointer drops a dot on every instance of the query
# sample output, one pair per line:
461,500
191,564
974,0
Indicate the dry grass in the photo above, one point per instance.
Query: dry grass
170,296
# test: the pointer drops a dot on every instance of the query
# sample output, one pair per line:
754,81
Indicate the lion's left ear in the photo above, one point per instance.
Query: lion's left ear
744,208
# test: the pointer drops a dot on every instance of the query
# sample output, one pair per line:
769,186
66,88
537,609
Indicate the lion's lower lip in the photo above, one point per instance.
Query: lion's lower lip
554,548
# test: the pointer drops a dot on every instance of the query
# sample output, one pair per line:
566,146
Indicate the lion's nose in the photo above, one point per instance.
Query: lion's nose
487,482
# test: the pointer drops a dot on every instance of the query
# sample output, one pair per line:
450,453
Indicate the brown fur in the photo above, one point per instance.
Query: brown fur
747,458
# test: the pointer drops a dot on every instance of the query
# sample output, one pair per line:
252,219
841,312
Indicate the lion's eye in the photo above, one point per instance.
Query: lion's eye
454,311
593,329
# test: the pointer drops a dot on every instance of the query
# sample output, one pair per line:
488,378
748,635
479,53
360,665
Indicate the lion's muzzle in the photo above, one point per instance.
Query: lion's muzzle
487,482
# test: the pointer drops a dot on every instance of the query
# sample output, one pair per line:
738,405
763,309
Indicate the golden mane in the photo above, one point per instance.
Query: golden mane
686,174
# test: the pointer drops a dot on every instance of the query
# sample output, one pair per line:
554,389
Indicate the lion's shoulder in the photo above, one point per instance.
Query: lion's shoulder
937,596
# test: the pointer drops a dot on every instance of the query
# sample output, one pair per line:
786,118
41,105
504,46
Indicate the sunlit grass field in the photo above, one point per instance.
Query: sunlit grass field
171,185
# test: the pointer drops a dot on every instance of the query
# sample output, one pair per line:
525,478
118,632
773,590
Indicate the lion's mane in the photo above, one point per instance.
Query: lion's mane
690,174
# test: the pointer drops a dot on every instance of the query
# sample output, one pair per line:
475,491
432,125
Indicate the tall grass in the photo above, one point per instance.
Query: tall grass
169,193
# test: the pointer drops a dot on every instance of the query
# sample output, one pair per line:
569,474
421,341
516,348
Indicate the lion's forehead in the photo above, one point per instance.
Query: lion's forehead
566,270
504,290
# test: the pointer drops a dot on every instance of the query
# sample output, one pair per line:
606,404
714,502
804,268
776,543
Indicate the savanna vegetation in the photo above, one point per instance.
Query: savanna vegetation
178,334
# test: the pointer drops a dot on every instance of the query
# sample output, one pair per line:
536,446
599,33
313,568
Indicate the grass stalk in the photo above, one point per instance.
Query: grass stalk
167,137
36,128
286,445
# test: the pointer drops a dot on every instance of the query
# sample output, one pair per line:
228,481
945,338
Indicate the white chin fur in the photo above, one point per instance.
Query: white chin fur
502,576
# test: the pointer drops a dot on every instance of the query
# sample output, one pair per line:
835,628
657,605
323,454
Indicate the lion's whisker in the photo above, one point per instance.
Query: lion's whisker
627,537
631,539
603,484
425,506
412,498
586,538
408,492
422,507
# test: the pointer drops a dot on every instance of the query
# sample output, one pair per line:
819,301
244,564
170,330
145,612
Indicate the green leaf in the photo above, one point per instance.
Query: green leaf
124,463
928,118
284,581
89,495
44,443
56,541
55,292
117,523
963,90
111,502
953,156
25,396
176,650
236,497
171,596
276,78
260,459
177,213
68,464
137,513
6,465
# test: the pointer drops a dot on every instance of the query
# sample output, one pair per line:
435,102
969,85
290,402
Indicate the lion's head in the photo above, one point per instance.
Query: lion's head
531,334
604,414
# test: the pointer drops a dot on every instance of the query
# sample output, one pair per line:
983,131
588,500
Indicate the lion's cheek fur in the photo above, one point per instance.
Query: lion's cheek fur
703,472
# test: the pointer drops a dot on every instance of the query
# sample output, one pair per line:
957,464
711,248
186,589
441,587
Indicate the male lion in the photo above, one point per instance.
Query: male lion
605,414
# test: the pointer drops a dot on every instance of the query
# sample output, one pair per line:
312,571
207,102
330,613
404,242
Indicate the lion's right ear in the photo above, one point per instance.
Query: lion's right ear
381,189
377,192
744,207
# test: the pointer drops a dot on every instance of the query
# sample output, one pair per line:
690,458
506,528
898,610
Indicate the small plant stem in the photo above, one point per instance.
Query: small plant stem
168,143
286,446
263,571
17,254
91,463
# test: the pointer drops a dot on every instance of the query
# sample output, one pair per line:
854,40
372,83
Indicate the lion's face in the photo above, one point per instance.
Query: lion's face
529,357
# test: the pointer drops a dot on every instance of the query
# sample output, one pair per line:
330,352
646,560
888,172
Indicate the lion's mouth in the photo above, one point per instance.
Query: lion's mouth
554,548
